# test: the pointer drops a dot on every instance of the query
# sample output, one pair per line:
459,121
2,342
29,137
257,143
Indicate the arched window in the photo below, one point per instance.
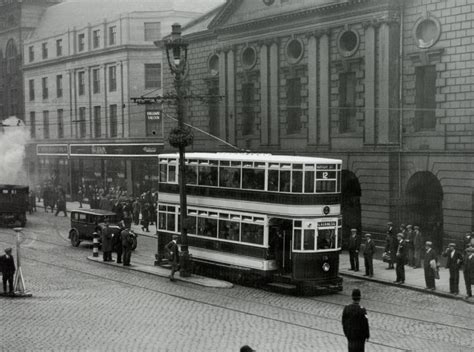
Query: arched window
11,56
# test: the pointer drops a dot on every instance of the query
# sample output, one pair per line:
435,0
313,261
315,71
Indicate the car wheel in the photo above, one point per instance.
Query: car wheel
75,241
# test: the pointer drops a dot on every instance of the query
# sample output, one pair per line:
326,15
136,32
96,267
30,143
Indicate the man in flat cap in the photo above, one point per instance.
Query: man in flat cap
7,265
400,259
430,266
355,323
453,263
354,246
369,251
469,270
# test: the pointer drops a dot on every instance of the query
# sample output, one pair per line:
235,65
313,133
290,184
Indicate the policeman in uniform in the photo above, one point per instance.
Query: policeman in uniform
355,323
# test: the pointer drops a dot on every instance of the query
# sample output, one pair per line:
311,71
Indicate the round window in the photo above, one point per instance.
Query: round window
249,57
213,65
294,51
348,42
426,32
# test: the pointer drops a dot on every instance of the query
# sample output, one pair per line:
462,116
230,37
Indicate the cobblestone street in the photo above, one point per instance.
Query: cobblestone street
80,305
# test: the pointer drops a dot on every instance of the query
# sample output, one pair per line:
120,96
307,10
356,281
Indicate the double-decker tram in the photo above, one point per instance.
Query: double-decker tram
260,219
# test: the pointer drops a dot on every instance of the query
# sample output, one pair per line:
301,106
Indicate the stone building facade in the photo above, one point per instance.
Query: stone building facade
18,19
81,69
386,86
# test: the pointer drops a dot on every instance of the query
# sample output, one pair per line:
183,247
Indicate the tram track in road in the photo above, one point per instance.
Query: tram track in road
199,301
317,299
233,297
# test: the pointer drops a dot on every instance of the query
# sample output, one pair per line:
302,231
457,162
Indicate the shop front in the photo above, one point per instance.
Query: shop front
129,167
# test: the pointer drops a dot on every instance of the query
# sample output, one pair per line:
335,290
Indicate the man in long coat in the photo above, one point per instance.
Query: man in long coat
453,263
127,241
469,270
173,251
354,246
429,265
400,259
107,243
7,266
369,251
355,323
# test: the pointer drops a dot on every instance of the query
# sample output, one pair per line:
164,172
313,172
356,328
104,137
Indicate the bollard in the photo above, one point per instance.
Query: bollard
95,245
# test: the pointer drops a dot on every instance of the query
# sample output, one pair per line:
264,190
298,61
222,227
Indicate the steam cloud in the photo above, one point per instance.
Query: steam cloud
13,138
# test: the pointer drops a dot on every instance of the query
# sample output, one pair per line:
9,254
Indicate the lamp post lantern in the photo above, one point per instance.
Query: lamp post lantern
180,137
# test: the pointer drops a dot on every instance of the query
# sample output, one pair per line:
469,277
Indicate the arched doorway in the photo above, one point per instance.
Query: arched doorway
424,206
350,205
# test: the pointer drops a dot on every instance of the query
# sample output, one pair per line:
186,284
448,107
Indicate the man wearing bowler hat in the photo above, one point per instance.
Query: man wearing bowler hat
355,323
7,266
453,263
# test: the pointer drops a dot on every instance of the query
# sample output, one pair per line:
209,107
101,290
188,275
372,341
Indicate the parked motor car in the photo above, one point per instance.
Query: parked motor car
84,222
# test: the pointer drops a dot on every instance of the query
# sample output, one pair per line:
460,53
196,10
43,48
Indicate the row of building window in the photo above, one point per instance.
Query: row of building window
152,80
425,116
80,124
152,32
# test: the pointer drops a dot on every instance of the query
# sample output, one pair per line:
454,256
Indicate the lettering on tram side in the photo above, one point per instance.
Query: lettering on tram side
326,223
325,166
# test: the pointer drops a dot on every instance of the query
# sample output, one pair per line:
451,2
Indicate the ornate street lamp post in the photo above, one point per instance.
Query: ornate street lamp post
181,136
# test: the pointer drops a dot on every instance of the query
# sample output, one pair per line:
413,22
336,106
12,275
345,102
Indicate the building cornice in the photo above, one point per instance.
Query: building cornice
90,54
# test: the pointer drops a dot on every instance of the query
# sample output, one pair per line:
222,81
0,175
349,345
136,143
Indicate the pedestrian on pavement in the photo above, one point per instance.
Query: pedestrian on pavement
146,215
389,245
107,244
418,244
410,240
354,246
454,263
467,240
127,242
117,242
355,323
430,265
61,201
469,270
7,266
173,251
369,251
400,259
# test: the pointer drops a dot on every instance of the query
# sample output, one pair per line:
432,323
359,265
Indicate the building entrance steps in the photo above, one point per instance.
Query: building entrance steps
414,278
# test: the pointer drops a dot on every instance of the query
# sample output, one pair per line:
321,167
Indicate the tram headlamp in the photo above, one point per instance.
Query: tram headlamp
326,267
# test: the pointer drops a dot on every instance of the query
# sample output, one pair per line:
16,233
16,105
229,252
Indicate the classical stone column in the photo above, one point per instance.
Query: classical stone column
264,117
312,90
230,121
222,92
369,125
324,89
274,121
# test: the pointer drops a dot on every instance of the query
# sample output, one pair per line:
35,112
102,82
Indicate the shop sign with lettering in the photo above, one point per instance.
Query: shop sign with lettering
51,149
138,150
153,115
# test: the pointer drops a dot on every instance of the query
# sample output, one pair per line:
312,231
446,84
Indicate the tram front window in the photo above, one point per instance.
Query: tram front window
326,239
308,242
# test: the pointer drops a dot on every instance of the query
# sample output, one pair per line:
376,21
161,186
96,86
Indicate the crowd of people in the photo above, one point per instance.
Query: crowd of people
409,247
